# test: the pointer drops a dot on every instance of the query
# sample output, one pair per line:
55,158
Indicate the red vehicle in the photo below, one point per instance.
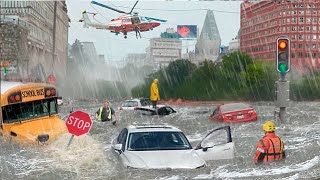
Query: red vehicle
234,112
130,22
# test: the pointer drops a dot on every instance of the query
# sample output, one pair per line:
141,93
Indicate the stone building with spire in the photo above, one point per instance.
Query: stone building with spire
208,43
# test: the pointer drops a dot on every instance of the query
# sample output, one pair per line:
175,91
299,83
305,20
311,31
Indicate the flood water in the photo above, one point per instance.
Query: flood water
90,157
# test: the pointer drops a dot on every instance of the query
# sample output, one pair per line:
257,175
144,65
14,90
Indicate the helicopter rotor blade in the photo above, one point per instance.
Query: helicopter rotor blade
108,7
155,19
133,7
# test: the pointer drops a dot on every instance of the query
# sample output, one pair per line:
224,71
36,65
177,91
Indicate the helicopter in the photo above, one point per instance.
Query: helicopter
128,22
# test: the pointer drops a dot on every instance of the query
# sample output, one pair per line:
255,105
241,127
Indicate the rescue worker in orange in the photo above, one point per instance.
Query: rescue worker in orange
154,93
270,147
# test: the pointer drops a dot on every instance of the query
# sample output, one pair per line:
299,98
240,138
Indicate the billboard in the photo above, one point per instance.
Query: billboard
187,31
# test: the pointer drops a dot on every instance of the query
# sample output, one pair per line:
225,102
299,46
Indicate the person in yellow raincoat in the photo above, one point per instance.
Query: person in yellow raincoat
154,93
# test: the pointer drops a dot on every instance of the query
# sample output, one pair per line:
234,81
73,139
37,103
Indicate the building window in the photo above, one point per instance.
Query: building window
314,28
314,12
308,37
294,5
309,5
301,5
294,12
293,37
314,20
300,55
308,20
314,46
307,46
301,28
294,28
294,20
307,12
301,19
301,12
300,37
314,55
307,28
293,55
293,45
300,46
314,37
307,55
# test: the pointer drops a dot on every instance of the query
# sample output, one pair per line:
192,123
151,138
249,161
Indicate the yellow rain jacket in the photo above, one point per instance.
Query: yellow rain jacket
154,92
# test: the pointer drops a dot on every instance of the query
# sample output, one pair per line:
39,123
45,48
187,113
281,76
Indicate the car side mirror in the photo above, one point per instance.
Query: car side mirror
206,145
118,147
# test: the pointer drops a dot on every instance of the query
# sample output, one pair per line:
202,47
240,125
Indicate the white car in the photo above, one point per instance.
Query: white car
162,146
134,104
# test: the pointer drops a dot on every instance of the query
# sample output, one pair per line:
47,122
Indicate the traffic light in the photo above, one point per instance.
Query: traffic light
5,71
283,55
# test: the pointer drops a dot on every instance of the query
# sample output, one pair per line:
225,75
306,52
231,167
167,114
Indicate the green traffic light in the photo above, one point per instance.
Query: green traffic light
283,68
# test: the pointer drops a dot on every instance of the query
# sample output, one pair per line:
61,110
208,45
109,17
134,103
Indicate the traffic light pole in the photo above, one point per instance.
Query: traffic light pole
282,96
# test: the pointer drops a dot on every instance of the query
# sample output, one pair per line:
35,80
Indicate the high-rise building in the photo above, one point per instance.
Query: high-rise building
90,50
45,24
164,50
263,22
208,44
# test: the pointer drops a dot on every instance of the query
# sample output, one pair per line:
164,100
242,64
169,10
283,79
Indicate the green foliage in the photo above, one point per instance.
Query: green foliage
237,77
307,88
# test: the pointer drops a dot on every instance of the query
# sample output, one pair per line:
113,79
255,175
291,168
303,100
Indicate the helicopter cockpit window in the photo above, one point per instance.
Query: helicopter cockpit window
135,20
126,20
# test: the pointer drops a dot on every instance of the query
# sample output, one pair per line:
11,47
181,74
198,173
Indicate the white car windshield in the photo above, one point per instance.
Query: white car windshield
130,104
153,141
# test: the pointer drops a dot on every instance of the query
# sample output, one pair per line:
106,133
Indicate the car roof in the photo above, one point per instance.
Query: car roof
152,128
137,99
131,100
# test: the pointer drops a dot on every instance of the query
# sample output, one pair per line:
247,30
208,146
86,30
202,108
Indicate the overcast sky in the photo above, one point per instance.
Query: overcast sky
175,12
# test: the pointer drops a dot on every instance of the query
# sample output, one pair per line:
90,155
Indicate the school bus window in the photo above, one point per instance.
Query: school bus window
53,106
29,110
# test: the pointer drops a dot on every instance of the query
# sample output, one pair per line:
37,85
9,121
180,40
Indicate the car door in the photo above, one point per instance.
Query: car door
216,145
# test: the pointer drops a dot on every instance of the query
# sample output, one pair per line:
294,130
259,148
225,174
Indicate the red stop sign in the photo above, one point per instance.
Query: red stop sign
78,123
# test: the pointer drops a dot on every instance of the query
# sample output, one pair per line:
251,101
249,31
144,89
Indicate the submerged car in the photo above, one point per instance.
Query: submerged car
234,112
133,104
162,146
161,110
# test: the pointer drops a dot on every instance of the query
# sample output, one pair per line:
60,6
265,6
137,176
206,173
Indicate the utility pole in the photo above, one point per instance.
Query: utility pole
283,67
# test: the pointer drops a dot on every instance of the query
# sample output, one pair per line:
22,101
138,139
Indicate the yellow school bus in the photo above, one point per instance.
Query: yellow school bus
29,112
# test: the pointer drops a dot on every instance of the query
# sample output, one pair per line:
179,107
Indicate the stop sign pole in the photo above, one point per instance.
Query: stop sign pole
78,123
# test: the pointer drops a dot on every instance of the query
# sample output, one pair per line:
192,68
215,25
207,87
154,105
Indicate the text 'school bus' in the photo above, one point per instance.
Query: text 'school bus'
30,112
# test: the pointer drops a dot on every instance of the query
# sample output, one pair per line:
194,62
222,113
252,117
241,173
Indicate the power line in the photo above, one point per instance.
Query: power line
177,10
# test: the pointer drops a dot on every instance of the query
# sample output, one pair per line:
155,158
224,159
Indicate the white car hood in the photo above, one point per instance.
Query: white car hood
172,159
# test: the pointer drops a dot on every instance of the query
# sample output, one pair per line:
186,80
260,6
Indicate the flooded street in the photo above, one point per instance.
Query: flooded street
89,156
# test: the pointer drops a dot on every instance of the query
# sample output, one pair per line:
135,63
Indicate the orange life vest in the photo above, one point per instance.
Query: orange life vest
274,148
